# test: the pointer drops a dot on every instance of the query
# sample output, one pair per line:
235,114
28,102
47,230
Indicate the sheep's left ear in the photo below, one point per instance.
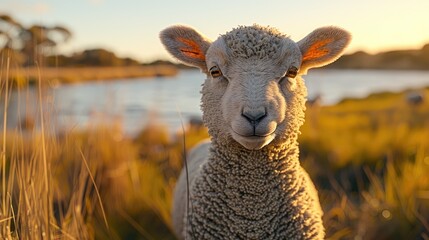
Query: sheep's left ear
322,46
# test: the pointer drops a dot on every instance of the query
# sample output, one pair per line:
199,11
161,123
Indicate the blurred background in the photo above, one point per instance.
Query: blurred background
96,116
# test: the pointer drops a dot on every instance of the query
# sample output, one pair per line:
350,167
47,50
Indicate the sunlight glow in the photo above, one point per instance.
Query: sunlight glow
131,29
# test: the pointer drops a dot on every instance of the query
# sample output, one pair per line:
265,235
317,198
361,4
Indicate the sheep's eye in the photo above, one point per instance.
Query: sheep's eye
292,72
215,72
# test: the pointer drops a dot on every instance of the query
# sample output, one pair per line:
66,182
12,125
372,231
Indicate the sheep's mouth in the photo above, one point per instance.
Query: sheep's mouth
255,141
253,136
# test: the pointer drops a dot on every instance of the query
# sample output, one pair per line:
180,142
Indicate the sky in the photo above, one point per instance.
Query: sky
130,28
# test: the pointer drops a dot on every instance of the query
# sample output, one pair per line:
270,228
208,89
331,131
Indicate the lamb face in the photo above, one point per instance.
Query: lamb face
250,81
254,93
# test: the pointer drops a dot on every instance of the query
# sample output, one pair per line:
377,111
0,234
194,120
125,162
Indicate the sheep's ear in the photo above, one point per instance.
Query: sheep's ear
186,44
322,46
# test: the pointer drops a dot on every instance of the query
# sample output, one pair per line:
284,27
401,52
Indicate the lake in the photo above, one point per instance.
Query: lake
135,102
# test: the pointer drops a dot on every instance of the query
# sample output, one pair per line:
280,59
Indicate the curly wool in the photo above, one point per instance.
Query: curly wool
258,200
254,41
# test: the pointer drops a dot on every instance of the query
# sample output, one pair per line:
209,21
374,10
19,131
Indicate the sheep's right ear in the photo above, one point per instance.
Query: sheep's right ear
187,45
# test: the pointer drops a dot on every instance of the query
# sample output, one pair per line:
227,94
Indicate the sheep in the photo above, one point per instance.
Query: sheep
414,98
247,182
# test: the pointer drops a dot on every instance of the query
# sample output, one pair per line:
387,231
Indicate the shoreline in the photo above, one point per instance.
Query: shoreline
24,76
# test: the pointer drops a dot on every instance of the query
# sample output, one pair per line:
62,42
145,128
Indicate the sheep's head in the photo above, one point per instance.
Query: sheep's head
254,93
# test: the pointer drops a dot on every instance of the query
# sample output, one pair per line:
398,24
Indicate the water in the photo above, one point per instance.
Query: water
334,85
135,102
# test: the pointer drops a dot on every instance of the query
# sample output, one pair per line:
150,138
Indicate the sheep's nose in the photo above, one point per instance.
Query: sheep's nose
254,116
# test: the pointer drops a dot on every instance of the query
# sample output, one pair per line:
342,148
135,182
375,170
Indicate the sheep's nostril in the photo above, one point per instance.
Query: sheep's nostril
254,117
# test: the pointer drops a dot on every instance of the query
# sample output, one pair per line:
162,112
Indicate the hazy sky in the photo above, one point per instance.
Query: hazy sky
131,27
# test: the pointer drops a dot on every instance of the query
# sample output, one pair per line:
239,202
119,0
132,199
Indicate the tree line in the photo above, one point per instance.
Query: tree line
397,59
38,44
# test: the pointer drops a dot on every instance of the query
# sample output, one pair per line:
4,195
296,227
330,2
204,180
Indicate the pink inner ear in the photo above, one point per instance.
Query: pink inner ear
192,49
317,50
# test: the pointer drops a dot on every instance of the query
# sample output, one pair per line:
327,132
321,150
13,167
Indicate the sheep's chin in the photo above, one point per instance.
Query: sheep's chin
253,142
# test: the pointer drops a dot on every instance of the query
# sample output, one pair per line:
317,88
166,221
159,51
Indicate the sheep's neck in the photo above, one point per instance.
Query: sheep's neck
252,169
247,193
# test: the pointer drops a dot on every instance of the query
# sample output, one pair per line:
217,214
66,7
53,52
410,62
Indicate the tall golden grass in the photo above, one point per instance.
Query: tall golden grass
80,184
88,184
370,159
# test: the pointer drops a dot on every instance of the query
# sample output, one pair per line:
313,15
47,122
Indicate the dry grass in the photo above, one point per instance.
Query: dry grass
367,130
395,205
93,184
81,185
370,160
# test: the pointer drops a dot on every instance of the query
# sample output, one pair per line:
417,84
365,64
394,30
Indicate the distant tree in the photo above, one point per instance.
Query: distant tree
167,63
9,28
101,57
39,41
130,62
425,56
90,57
9,36
38,44
35,42
59,60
